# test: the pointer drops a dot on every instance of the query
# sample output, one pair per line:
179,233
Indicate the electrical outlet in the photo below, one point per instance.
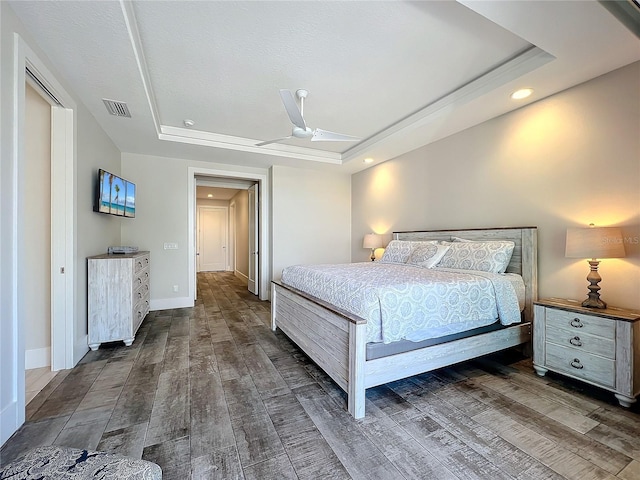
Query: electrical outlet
175,288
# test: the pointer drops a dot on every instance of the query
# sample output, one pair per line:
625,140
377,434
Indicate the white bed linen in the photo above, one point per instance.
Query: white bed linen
401,301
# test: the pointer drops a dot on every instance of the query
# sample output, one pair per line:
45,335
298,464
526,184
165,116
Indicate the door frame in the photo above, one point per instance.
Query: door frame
253,197
63,220
263,221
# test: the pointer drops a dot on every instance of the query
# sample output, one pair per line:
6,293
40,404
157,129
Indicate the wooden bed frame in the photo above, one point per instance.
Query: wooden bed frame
335,340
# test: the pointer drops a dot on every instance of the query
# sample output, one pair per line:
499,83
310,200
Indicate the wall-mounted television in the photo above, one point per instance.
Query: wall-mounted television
115,195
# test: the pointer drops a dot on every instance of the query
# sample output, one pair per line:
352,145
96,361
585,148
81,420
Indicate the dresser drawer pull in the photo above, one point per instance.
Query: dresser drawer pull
575,341
576,323
576,364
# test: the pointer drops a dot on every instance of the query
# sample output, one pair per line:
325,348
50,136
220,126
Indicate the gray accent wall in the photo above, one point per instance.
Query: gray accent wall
565,161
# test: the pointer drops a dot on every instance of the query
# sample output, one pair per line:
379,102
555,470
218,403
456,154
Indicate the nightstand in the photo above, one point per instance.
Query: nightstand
597,346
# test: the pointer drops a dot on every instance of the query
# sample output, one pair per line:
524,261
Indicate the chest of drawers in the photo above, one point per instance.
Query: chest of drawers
118,296
598,346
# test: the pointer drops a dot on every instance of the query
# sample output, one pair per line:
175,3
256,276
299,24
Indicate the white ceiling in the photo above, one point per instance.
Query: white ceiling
396,74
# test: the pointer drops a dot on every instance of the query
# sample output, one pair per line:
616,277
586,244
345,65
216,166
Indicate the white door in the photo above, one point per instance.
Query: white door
212,239
253,240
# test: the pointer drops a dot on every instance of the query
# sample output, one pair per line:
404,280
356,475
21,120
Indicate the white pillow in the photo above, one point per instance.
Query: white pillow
428,255
398,251
489,256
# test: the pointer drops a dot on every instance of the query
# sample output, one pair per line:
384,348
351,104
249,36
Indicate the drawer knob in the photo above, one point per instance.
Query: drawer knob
576,323
576,364
575,341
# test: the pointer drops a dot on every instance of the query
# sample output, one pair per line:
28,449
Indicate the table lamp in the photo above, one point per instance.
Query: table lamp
372,241
594,243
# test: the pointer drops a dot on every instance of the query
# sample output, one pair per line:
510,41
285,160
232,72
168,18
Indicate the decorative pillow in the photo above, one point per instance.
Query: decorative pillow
397,251
490,256
428,255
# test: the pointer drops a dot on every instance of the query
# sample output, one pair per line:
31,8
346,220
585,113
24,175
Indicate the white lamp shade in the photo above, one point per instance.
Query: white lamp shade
372,240
595,242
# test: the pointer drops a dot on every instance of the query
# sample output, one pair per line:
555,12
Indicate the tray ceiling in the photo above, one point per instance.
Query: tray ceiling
396,74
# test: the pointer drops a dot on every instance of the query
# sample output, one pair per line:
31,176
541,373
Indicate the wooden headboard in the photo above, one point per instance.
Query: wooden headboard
524,260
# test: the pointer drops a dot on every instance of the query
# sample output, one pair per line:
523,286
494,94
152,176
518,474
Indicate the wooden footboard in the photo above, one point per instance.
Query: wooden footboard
334,340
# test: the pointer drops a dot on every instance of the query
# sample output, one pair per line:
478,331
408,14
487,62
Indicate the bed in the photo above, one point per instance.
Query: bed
339,342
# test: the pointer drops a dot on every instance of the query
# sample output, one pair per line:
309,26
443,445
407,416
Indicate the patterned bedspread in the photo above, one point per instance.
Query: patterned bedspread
412,303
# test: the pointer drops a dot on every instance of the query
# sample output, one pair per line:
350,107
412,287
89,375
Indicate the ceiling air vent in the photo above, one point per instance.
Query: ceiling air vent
119,109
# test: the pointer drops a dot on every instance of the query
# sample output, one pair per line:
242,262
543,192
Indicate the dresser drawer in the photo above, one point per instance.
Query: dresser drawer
576,338
141,293
139,312
141,263
581,323
580,364
141,278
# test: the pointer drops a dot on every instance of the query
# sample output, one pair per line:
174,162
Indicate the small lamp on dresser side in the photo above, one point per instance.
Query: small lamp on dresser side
594,243
372,241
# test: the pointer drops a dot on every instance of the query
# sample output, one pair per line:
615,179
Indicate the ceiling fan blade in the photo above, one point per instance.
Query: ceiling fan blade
267,142
292,109
325,135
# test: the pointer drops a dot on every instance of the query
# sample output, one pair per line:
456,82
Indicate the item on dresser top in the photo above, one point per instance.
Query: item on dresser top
122,249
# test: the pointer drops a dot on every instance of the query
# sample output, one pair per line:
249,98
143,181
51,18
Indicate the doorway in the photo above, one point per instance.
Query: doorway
232,179
37,225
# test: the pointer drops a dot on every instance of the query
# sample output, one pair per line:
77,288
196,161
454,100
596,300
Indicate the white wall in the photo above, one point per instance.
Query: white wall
92,149
96,231
311,217
566,161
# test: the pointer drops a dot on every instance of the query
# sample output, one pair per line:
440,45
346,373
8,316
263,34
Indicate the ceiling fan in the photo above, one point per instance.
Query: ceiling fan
300,129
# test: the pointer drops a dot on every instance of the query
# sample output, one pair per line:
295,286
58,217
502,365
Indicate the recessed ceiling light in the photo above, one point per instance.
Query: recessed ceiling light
210,195
368,160
522,93
189,123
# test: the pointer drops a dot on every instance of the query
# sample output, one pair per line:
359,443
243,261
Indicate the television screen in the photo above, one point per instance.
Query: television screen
115,195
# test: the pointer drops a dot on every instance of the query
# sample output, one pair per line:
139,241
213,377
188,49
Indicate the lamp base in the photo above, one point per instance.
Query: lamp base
593,299
594,302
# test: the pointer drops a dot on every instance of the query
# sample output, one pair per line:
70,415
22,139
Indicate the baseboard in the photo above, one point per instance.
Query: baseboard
37,357
10,421
241,276
170,303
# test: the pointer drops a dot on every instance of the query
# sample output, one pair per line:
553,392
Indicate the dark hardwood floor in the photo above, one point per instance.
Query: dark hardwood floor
212,392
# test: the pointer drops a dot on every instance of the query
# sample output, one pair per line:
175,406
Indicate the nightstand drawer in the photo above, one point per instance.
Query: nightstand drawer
581,323
583,365
605,347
